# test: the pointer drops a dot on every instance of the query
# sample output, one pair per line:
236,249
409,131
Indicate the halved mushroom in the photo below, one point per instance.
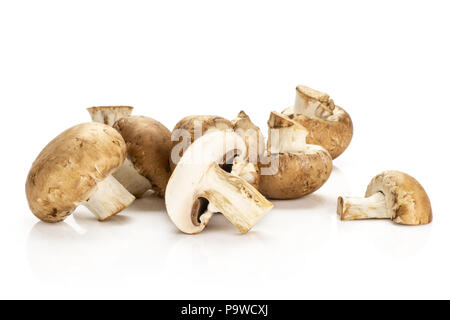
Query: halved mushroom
191,128
390,195
75,168
302,168
148,149
199,187
328,125
109,114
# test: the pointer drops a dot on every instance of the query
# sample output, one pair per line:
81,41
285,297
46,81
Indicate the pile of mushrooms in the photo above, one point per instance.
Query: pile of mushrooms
208,165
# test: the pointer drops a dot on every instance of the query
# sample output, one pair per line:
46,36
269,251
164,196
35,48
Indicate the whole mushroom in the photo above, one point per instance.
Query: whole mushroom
75,168
390,195
302,168
109,114
328,125
148,149
200,186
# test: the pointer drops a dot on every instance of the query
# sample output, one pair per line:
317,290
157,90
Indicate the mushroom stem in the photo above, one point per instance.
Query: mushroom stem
109,114
312,103
232,196
131,179
285,135
373,207
246,170
109,199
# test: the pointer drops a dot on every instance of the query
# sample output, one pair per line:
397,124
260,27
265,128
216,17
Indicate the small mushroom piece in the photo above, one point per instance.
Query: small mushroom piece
328,125
75,168
109,114
199,187
390,195
302,168
148,149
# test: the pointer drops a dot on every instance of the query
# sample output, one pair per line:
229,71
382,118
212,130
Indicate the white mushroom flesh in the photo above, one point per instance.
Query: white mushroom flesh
109,198
245,170
198,187
312,103
354,208
237,200
131,179
287,139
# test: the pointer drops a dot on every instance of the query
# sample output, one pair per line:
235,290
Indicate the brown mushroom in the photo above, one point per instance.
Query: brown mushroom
75,168
329,126
302,168
148,149
390,195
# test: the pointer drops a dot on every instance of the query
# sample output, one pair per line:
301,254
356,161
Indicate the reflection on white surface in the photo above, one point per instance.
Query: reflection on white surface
301,241
143,238
83,245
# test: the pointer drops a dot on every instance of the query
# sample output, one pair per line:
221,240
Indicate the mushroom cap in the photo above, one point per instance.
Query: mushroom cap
148,148
181,192
68,169
299,173
207,122
406,200
109,114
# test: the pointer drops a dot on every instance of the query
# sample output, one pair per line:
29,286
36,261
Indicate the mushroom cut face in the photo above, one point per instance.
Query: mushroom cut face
329,126
148,151
199,186
67,171
301,168
390,195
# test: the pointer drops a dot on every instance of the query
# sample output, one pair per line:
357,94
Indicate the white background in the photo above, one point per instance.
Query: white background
385,62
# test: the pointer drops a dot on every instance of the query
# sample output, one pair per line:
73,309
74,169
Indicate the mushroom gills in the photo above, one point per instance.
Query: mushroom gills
131,179
355,208
232,196
109,198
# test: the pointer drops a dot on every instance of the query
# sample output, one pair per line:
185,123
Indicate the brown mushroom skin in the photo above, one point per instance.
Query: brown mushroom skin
334,132
148,147
188,124
299,174
67,170
406,199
